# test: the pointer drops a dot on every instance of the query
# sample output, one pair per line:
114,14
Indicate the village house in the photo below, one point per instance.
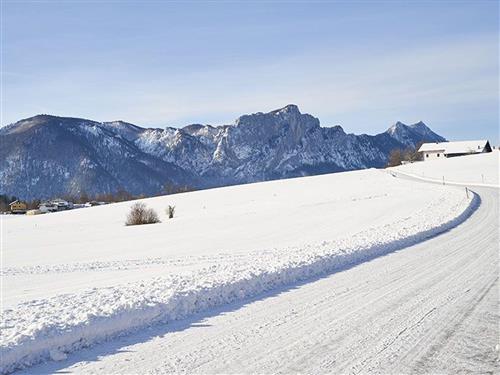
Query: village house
45,207
55,205
440,150
62,204
18,207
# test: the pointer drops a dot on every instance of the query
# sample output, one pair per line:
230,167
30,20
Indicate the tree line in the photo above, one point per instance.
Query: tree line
120,195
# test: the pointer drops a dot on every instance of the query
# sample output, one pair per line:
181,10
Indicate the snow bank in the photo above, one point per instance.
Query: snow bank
44,329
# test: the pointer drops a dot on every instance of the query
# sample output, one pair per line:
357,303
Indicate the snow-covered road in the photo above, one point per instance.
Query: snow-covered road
431,307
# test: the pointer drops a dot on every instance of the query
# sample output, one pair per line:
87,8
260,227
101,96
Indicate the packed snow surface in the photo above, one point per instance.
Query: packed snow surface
75,278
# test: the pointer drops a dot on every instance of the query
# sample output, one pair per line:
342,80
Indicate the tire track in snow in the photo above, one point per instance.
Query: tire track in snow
447,332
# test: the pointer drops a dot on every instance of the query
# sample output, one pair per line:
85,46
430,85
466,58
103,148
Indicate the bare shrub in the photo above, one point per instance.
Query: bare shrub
170,211
140,214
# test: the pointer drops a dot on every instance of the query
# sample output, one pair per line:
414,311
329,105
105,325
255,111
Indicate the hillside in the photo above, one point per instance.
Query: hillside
482,169
79,277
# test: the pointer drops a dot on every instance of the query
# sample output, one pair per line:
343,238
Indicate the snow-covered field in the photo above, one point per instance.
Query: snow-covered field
72,279
482,169
429,308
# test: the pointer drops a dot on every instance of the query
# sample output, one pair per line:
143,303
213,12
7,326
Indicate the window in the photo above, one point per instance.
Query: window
426,155
437,155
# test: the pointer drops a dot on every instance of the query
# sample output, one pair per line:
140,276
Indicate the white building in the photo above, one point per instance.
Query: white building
45,207
439,150
55,205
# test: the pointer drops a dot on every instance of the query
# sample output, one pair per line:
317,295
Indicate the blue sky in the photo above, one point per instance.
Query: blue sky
363,65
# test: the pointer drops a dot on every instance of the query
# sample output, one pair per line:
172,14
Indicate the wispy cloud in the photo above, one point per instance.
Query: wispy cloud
412,82
346,64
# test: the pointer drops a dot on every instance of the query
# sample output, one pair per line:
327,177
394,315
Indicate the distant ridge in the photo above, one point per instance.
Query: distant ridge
46,156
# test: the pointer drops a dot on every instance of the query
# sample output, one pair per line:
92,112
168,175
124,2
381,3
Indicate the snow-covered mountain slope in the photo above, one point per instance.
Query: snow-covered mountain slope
279,144
80,277
45,156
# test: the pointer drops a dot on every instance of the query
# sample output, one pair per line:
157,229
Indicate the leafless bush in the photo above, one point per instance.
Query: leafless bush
140,214
170,211
411,154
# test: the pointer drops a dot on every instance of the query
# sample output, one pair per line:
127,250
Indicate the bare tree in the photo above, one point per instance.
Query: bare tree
140,214
411,154
395,158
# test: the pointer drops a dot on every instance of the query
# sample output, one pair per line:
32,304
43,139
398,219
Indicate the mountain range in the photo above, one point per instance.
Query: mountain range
45,156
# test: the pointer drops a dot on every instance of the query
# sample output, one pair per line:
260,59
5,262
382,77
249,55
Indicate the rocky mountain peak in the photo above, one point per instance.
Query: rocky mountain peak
289,115
288,109
418,124
407,134
338,129
397,126
63,155
420,127
401,125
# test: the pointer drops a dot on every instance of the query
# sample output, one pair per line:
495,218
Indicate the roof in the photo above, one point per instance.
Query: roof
461,147
16,201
